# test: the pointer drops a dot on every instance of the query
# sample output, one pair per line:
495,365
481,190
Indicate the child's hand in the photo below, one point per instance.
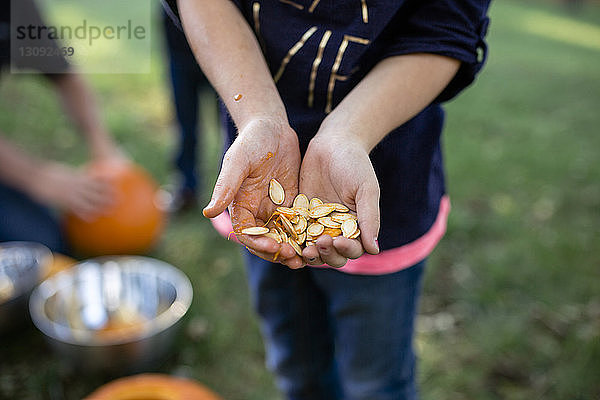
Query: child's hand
337,169
263,150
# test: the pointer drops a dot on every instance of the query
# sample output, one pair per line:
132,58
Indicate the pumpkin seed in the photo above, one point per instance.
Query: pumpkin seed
301,225
301,201
321,210
301,238
315,201
276,192
301,212
285,210
287,225
273,235
341,217
315,229
355,235
255,230
340,207
348,227
296,246
333,232
329,222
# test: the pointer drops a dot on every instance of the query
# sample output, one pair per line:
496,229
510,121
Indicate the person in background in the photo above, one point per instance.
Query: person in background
187,82
33,189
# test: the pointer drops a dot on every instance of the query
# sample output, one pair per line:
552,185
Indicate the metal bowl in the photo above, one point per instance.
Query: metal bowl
117,314
21,267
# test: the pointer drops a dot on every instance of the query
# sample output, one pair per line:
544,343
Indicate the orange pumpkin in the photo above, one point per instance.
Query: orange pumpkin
131,225
153,387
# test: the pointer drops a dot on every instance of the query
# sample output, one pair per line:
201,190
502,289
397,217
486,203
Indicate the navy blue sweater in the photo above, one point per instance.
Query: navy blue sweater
318,50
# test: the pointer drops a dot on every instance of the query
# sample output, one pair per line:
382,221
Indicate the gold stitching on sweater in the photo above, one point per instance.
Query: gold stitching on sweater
315,67
295,48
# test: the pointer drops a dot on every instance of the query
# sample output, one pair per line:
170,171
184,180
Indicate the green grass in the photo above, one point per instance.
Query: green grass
511,302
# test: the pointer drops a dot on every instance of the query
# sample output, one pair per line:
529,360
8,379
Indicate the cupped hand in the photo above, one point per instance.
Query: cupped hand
337,169
263,150
73,190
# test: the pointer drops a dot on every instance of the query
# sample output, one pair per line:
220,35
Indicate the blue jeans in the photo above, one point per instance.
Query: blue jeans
331,335
23,219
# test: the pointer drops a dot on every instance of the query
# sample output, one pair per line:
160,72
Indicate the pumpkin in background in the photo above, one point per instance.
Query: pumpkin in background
131,225
153,387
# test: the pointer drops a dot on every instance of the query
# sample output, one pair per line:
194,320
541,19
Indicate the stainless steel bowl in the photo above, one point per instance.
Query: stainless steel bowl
21,267
118,313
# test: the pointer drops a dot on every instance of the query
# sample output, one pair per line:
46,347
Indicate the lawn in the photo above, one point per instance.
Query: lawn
511,301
